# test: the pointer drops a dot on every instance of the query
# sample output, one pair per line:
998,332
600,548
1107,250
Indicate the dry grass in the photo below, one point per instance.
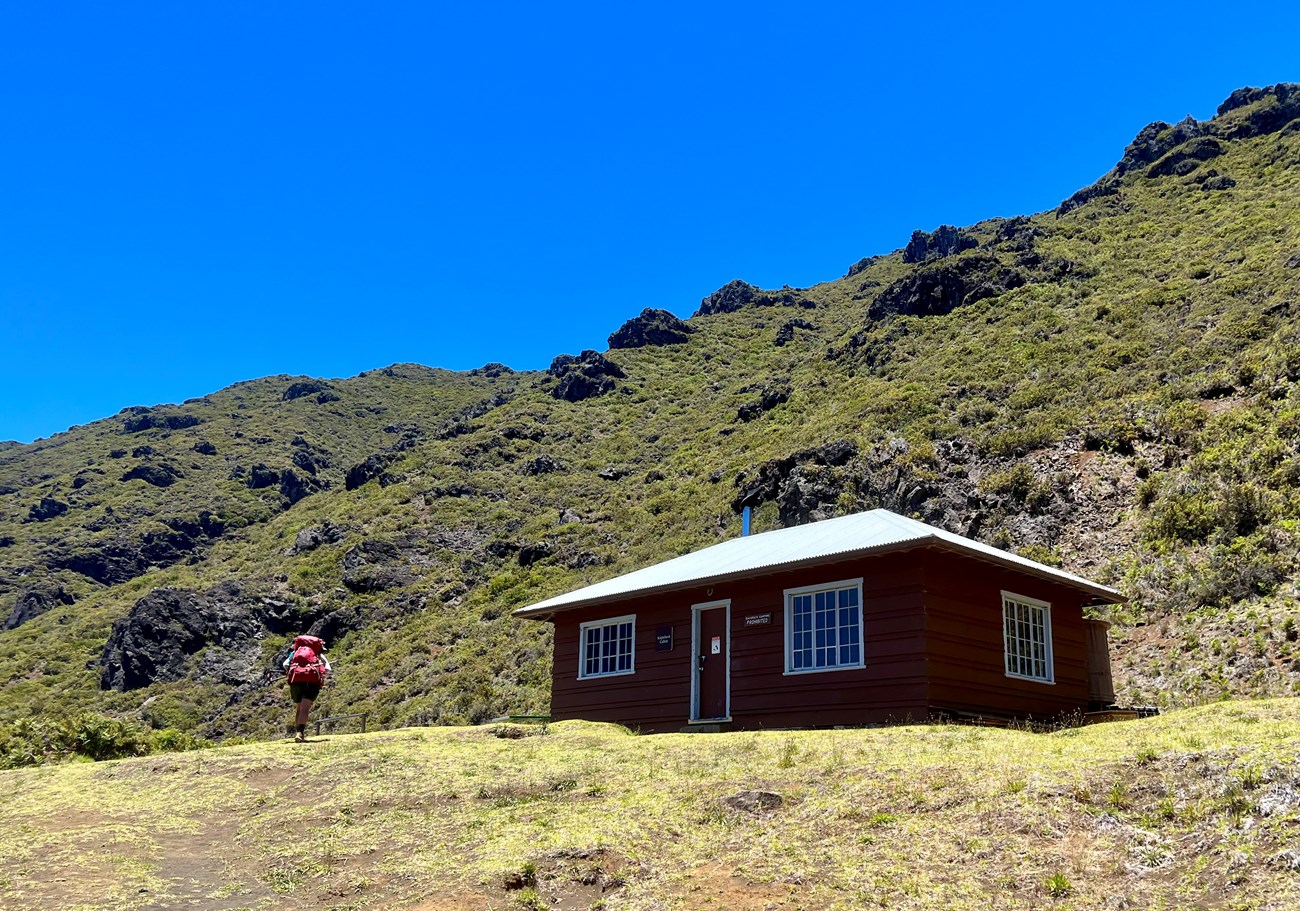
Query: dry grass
1196,809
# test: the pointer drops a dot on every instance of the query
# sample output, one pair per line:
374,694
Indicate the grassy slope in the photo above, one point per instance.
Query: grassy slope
1195,809
1173,354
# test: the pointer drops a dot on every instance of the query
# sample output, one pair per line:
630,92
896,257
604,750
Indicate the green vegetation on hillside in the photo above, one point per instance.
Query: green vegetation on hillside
1110,387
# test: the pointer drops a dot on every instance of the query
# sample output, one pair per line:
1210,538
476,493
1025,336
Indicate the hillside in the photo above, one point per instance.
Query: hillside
1110,385
1193,810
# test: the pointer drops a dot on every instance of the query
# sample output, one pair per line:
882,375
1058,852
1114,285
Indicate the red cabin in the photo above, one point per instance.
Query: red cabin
864,619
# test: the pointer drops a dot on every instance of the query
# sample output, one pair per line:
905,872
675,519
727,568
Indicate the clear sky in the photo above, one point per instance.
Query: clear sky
192,194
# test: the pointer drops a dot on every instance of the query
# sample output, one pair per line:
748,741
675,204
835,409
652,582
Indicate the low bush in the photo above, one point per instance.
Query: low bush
36,741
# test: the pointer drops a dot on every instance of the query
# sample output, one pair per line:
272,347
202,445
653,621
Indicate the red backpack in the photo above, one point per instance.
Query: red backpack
304,665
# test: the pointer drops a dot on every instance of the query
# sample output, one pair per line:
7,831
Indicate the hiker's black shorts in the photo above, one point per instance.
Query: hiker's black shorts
300,691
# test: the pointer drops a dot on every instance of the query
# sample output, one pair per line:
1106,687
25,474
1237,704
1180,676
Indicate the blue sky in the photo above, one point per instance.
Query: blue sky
196,194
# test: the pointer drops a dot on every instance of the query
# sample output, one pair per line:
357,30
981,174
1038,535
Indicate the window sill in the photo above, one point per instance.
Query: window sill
824,670
1051,682
610,674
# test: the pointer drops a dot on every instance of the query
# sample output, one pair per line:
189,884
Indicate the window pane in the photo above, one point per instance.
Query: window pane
825,629
607,648
1026,634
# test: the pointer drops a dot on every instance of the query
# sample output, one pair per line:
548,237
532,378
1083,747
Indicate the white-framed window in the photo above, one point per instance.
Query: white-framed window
607,647
1027,638
823,627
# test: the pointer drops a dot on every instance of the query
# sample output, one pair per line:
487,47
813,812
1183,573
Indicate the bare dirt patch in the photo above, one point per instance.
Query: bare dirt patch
457,901
199,870
571,880
714,886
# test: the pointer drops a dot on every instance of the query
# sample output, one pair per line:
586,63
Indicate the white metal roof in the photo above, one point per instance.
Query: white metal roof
819,542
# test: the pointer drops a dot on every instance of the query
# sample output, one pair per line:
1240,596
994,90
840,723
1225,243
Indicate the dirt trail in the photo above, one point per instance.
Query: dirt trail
202,870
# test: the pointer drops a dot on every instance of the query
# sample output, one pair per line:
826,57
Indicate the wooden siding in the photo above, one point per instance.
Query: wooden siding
965,652
932,642
890,687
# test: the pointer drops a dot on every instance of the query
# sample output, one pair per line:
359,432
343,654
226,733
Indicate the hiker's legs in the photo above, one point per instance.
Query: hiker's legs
304,709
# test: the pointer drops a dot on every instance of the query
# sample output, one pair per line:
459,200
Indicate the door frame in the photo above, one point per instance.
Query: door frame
696,644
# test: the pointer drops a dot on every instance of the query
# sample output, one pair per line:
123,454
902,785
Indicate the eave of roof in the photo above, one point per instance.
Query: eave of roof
903,534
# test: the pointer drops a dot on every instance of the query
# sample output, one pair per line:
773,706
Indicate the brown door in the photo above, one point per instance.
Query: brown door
711,661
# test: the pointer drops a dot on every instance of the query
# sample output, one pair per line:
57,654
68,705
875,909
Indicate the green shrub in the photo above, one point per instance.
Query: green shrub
35,741
1058,886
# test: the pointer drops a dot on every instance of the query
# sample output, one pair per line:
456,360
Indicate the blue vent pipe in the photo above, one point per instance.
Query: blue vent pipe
744,523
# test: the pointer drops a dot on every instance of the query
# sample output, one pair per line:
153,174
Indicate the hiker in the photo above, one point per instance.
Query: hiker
305,669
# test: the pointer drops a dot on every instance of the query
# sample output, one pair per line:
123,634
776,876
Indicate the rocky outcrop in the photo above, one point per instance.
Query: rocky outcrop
120,559
588,375
492,370
1275,107
651,328
754,802
48,508
148,419
1191,153
534,434
376,565
535,552
203,526
785,334
374,467
803,484
298,482
1154,141
310,458
1220,182
943,287
1018,234
165,632
161,475
259,477
861,265
543,464
314,536
736,295
943,242
203,447
31,604
309,387
294,487
108,562
873,347
1107,186
731,297
770,395
460,491
1179,148
460,424
152,642
1040,499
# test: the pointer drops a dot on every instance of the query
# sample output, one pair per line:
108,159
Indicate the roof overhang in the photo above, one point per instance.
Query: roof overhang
544,610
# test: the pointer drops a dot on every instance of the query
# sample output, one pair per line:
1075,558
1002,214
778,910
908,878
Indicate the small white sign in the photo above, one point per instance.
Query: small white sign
716,647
